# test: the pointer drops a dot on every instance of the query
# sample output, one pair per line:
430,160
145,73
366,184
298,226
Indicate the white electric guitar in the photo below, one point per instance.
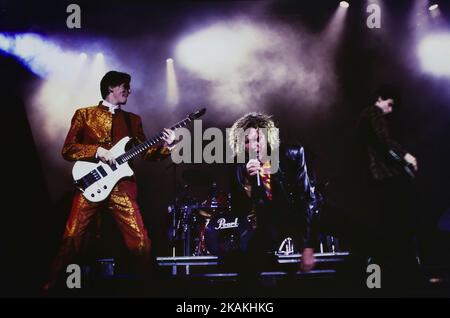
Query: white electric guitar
96,180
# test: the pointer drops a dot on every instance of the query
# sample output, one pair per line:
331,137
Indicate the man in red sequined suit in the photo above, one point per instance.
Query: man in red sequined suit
93,131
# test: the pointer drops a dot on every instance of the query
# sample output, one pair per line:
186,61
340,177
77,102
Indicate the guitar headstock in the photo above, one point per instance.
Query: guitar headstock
199,113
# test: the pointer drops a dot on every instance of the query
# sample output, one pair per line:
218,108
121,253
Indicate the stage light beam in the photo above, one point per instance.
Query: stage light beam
333,32
344,4
41,56
172,96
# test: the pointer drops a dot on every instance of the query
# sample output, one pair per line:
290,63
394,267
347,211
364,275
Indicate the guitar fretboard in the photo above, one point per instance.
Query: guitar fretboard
133,152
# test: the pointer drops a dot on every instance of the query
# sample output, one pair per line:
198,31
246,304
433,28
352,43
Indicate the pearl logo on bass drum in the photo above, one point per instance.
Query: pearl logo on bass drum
222,224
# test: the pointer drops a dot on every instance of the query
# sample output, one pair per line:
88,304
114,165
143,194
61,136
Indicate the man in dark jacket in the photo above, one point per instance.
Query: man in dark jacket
275,190
390,168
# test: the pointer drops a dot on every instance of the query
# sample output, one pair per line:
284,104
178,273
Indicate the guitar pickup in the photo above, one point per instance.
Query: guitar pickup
102,171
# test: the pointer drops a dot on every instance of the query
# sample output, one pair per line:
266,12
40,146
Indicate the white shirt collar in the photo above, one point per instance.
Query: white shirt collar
111,107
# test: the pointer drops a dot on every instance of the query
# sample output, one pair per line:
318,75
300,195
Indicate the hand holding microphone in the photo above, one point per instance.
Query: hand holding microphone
253,169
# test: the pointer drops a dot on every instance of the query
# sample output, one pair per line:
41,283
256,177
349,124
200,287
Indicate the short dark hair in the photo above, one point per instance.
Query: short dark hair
387,91
113,78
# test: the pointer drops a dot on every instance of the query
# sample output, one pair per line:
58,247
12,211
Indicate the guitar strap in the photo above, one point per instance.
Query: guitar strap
128,122
126,116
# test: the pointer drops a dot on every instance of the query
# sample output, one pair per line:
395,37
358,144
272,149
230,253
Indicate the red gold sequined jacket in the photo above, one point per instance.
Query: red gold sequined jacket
92,127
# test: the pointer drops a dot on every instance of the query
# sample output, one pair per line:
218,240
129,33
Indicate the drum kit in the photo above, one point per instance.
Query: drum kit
210,226
207,226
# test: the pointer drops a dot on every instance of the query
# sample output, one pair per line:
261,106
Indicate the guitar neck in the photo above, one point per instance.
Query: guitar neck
409,170
137,150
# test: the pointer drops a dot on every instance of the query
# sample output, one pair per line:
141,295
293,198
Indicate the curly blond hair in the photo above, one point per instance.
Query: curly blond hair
252,120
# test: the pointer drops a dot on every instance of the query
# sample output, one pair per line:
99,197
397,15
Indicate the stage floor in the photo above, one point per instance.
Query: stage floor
222,277
226,268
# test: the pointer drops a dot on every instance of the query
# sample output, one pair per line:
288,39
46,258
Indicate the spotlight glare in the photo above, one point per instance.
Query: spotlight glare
169,60
219,49
344,4
5,43
433,7
99,55
434,51
83,56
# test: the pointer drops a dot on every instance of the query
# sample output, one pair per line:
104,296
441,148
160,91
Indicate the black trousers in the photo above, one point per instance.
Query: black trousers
393,246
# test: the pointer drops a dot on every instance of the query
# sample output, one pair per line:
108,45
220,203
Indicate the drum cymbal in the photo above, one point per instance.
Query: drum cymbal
197,177
204,213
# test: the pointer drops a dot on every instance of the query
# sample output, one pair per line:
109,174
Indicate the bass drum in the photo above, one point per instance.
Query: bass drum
226,233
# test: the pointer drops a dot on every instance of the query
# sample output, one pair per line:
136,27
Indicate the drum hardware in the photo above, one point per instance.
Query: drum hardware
332,243
251,219
182,218
211,227
190,218
286,247
329,244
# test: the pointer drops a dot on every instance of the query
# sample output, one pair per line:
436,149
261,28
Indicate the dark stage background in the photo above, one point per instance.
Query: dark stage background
38,185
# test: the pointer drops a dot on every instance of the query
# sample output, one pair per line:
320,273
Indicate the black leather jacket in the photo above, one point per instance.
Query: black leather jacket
293,195
375,141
